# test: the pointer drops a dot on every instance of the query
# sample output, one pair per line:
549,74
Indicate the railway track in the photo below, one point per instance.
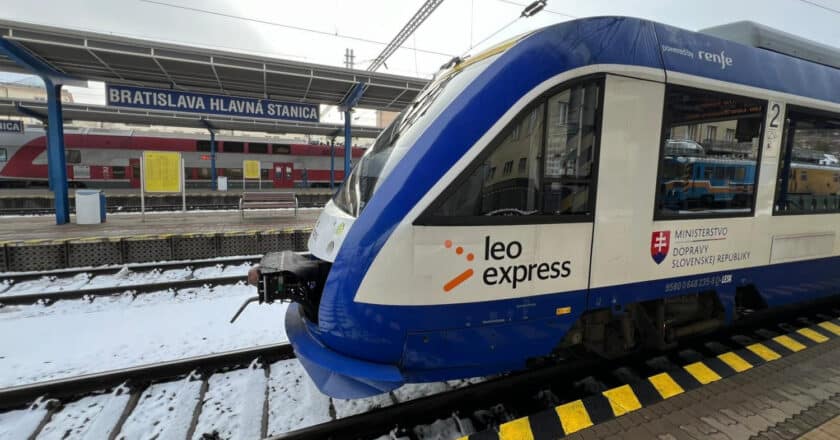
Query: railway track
236,397
10,298
17,277
486,405
116,402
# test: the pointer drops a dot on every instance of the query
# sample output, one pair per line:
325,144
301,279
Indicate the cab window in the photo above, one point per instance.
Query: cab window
809,170
553,144
709,154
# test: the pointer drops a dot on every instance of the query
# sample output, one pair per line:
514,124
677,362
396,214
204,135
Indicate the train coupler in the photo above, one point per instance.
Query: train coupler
289,276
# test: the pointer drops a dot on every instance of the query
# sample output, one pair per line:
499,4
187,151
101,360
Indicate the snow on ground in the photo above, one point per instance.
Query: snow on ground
76,337
293,400
48,284
413,391
347,408
23,422
164,411
451,428
233,405
218,271
125,277
81,419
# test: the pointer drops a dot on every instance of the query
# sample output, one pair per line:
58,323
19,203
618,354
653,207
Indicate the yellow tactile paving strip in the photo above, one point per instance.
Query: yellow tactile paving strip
577,415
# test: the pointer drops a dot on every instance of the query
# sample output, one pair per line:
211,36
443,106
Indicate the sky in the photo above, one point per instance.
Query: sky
319,31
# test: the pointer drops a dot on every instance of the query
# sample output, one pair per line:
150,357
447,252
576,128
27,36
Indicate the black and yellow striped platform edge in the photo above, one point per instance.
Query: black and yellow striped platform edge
580,414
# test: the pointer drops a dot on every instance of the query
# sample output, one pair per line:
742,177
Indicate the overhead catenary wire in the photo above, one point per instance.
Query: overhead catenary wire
529,11
821,6
283,25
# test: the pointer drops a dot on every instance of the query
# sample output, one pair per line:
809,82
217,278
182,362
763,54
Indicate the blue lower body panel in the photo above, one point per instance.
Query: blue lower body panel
346,377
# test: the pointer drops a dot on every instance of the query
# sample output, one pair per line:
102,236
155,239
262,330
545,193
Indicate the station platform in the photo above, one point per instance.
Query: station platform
21,201
783,399
36,243
784,388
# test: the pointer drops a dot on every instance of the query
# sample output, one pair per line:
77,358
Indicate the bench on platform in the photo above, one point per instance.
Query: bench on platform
267,200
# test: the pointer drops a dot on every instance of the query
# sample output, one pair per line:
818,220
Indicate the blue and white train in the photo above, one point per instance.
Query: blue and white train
519,209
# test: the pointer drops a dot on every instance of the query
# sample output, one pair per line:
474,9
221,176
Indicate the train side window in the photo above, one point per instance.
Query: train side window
118,172
257,148
715,177
807,180
234,147
234,173
3,155
73,156
553,145
280,149
202,146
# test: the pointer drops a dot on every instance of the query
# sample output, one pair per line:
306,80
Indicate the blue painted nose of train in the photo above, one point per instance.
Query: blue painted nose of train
358,349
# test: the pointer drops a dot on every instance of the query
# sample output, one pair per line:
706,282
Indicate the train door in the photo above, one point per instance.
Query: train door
283,175
134,172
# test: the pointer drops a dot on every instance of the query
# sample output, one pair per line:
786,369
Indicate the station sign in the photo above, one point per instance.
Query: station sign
10,126
173,100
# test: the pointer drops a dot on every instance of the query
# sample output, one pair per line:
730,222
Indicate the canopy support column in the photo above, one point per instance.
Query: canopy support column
214,181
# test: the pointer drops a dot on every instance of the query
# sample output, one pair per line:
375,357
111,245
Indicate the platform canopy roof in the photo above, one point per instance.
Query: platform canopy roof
99,113
122,60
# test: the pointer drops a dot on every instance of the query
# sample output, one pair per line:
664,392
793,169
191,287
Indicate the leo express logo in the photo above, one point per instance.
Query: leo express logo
508,272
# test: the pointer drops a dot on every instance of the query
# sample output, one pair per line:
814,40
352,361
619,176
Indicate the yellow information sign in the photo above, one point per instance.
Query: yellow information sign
162,171
252,169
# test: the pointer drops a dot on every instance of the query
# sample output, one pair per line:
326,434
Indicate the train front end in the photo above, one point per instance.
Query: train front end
406,281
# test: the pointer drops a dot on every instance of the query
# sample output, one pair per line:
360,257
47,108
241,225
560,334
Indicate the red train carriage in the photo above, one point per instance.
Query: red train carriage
111,158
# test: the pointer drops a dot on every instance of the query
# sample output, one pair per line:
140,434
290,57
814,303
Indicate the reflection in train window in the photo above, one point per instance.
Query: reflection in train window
3,157
118,172
709,157
552,147
73,156
809,169
257,148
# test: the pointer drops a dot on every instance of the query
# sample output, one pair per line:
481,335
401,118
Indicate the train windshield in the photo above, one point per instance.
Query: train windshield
402,133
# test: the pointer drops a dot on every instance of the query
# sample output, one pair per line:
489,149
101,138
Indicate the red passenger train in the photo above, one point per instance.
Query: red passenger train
111,158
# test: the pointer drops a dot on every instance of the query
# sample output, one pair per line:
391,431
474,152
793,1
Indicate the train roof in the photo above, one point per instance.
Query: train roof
805,70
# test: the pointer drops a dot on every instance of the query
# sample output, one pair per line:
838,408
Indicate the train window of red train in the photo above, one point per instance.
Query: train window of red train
709,156
73,156
234,147
118,172
811,151
234,173
202,146
257,148
280,149
3,156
